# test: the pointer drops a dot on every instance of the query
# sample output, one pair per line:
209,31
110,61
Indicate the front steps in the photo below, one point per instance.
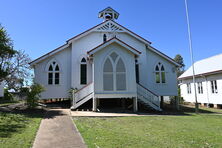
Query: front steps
144,96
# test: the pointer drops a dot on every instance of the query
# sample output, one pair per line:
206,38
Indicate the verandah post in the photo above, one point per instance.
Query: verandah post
94,104
135,104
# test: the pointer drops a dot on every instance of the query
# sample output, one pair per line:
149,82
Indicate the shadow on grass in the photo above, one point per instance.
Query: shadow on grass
18,119
167,110
185,110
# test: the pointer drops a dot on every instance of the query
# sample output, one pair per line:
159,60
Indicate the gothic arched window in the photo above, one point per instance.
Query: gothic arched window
137,71
114,73
160,73
53,73
83,71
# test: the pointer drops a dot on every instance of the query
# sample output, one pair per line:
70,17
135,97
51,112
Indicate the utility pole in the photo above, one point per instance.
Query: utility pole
191,55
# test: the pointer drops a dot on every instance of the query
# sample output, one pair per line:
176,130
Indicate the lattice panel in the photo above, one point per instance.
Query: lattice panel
110,27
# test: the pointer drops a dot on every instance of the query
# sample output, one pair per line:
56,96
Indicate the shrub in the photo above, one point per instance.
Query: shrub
34,95
7,95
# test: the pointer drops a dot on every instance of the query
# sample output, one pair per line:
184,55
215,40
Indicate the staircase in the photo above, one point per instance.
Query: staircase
148,98
82,95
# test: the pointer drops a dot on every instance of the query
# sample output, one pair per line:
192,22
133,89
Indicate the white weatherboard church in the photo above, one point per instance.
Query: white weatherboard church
105,62
208,74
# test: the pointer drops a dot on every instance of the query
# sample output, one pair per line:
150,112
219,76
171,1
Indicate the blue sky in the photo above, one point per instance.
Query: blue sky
42,25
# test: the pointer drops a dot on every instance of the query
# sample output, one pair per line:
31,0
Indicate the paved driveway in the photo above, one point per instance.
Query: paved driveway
58,131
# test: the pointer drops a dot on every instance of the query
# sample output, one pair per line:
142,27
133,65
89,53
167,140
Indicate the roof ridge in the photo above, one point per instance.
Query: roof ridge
220,54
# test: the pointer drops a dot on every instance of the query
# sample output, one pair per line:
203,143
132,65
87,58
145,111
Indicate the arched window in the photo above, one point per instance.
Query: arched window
83,72
104,38
120,75
114,73
137,71
160,73
53,73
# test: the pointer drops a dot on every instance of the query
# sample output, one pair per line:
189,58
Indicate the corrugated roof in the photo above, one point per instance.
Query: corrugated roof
205,66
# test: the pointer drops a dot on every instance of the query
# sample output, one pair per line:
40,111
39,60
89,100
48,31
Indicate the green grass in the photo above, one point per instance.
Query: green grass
184,131
19,129
214,110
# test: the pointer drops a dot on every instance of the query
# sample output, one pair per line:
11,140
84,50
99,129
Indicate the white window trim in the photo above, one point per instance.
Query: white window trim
83,63
160,73
114,64
53,72
214,87
189,88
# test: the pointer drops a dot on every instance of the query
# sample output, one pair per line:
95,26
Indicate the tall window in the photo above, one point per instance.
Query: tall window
137,71
200,87
214,86
160,73
53,73
83,72
104,38
188,88
114,73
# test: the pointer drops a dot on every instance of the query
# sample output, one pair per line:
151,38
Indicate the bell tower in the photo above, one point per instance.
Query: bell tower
108,14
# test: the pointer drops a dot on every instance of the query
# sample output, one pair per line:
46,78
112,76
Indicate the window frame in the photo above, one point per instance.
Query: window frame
200,87
137,70
53,69
83,65
160,73
214,88
189,88
114,72
104,38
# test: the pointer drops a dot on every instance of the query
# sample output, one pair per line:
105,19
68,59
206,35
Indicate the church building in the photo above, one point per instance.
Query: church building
107,62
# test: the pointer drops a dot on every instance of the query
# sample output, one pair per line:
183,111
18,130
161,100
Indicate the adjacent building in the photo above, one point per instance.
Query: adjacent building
208,74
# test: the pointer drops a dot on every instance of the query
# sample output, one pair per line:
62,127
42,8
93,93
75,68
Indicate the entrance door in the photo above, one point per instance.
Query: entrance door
114,73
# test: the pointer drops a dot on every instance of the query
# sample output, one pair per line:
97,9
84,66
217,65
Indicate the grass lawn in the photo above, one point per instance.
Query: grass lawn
19,129
184,131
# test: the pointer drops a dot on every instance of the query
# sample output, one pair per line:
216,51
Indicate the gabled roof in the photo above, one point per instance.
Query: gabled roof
83,34
163,55
206,66
106,22
114,40
95,28
49,54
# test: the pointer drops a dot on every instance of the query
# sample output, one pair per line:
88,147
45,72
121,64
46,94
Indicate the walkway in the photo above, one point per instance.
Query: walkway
105,114
58,131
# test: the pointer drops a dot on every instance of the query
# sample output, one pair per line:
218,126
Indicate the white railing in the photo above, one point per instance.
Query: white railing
82,93
147,96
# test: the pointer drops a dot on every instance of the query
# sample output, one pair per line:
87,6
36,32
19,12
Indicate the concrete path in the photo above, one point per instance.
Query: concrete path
105,114
58,131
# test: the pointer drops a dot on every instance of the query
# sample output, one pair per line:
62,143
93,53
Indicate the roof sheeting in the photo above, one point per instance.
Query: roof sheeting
205,66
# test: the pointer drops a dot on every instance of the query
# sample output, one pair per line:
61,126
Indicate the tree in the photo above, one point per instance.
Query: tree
175,100
14,67
6,53
19,70
179,59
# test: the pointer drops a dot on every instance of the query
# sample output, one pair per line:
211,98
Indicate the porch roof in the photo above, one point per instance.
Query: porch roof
114,40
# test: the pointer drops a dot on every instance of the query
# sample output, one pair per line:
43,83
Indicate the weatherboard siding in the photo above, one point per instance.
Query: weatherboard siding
207,96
